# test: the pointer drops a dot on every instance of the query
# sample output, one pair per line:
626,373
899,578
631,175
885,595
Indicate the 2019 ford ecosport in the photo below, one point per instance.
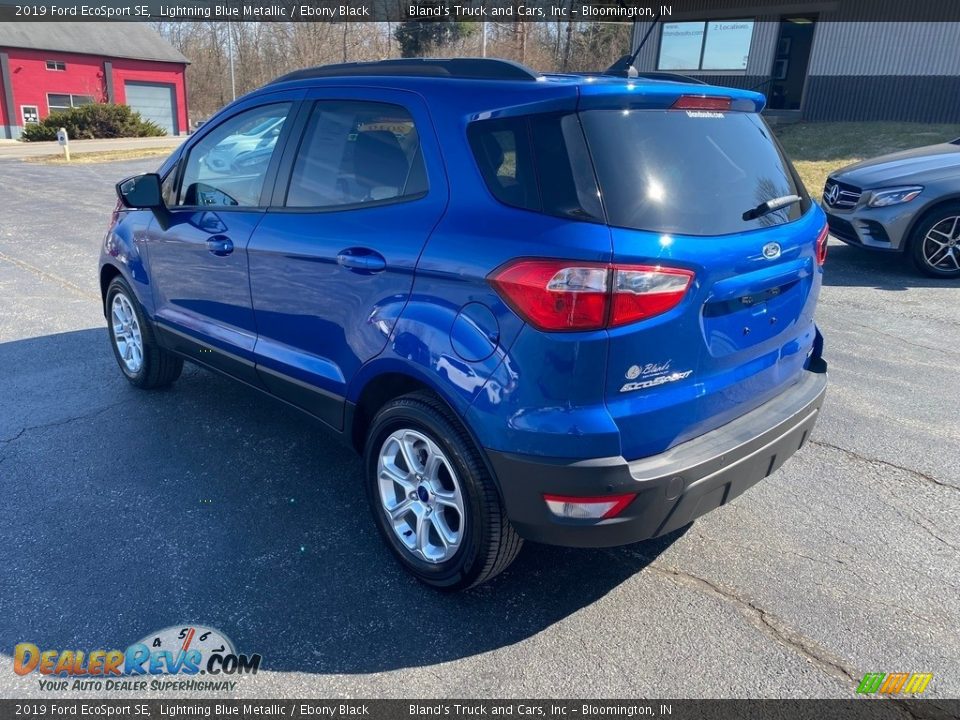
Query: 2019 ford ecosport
570,309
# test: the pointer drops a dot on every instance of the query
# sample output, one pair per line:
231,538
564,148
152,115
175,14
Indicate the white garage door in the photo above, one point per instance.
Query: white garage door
153,102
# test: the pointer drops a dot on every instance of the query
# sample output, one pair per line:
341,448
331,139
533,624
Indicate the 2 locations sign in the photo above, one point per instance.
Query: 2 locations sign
174,651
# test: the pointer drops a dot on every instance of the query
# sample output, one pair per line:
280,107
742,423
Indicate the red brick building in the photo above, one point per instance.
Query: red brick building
51,66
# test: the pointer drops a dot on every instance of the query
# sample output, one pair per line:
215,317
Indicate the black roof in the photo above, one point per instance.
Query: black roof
463,68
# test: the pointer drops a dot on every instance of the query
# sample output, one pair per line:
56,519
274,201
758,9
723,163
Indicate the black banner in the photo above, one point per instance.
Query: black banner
461,10
854,709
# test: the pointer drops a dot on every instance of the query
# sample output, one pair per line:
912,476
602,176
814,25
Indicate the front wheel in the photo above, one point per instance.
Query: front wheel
936,243
433,499
144,363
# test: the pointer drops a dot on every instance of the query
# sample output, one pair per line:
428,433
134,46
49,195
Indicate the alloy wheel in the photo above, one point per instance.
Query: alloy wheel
126,333
941,245
421,495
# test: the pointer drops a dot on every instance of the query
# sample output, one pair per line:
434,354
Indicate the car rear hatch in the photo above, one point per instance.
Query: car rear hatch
684,172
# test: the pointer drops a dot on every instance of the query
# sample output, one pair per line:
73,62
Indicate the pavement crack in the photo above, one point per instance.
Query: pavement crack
765,621
876,461
897,337
44,275
57,423
10,439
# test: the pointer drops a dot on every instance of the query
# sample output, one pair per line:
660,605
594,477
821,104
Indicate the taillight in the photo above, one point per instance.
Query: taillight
640,292
702,102
565,295
822,245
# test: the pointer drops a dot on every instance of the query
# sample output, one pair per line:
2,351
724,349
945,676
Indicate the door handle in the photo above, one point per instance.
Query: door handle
362,260
220,245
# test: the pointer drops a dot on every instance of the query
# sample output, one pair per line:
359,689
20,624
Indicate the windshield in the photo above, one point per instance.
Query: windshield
690,173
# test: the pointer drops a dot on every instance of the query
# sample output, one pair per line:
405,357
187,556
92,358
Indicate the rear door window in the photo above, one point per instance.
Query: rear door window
355,153
690,173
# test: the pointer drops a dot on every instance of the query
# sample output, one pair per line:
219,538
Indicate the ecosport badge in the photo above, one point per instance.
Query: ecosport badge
652,375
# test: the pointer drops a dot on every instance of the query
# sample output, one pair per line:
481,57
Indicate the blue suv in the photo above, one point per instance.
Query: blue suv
570,309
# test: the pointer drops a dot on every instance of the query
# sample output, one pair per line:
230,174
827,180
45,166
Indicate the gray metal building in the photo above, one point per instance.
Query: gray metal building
816,61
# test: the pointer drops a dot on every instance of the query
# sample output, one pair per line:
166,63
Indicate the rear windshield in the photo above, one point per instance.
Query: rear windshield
690,173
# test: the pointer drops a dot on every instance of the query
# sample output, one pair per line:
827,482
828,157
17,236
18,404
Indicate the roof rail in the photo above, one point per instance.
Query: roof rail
462,68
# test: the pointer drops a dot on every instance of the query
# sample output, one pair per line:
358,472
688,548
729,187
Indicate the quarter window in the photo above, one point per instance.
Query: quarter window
354,153
227,167
537,162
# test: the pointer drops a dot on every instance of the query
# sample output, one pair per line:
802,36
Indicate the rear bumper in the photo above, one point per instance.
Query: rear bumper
673,488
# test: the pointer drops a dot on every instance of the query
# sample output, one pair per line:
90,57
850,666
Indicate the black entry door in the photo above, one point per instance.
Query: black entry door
790,63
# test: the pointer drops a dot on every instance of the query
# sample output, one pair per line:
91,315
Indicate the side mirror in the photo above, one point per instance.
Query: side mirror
141,192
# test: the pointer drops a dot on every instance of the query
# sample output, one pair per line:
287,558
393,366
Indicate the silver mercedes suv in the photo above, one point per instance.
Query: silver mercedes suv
904,202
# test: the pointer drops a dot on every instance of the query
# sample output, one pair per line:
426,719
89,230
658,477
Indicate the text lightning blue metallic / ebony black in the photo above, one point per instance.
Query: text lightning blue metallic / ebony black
576,310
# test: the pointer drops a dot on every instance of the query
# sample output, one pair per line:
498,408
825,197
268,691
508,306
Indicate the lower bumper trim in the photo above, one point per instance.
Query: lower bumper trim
672,488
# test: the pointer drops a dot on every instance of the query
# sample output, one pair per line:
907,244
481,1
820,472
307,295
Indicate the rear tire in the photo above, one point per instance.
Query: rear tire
935,243
443,517
142,361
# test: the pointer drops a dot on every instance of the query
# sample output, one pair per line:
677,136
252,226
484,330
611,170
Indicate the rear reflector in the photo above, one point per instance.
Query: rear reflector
822,245
702,102
587,508
565,295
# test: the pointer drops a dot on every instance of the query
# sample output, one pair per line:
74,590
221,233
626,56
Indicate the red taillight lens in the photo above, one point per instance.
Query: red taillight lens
560,295
556,295
702,102
822,245
640,292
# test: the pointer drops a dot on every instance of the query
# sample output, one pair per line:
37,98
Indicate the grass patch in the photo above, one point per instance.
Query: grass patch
101,156
817,149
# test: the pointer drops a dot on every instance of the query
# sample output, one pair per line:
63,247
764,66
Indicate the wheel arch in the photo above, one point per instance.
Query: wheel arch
379,388
108,272
921,216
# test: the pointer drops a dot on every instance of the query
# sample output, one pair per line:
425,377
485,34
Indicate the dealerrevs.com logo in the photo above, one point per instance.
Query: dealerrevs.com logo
183,651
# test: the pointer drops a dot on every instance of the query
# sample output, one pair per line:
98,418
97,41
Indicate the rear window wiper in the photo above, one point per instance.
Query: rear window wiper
770,205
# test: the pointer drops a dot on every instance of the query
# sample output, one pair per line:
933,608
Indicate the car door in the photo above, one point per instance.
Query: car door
332,262
197,248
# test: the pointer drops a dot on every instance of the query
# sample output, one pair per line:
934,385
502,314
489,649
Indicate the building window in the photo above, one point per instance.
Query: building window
57,102
720,45
30,114
57,65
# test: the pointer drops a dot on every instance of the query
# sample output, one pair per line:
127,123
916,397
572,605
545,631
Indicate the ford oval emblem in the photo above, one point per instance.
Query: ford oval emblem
771,251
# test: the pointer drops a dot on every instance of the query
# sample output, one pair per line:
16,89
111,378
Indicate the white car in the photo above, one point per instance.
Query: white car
262,135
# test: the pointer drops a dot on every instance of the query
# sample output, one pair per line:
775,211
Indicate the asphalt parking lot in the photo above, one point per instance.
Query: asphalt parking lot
125,512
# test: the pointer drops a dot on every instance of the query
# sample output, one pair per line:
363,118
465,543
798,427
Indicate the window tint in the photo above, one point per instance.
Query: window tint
538,163
691,173
357,152
228,166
